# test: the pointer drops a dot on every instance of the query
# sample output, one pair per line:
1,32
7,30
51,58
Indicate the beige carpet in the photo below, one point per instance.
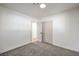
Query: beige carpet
40,49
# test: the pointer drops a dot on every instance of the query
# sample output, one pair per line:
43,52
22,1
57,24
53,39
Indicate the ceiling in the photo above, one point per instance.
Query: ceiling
34,10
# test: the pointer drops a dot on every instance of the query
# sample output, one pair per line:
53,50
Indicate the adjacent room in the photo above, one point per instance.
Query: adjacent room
39,29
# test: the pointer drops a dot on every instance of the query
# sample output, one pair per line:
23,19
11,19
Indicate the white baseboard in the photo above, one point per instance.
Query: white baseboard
66,48
8,49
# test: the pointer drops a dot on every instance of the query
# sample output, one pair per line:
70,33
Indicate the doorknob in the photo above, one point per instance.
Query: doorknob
41,33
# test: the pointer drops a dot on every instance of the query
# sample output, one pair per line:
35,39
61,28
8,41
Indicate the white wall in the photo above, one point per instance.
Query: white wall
66,29
15,29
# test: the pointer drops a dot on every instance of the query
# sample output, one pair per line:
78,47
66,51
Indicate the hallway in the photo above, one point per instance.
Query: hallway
40,49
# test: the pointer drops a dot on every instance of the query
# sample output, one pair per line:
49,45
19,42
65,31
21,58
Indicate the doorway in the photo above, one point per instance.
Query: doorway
34,31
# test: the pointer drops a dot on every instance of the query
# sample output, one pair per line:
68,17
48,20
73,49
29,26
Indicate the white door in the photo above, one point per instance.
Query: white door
47,32
39,31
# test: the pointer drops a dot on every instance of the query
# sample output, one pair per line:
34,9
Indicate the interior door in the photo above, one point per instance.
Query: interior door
47,32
